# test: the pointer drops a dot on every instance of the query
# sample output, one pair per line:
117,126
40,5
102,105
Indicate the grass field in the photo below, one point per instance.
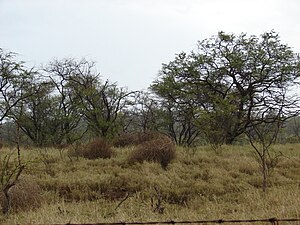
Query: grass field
198,184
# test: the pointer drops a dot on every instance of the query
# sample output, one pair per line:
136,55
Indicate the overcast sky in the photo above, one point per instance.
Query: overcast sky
130,39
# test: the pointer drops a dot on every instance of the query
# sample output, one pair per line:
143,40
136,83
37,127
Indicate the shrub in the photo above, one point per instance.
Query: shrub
161,150
148,136
125,139
97,148
25,195
134,138
62,146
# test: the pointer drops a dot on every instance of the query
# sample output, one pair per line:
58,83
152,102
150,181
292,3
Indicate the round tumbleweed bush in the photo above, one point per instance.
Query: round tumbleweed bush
25,195
98,148
160,149
134,138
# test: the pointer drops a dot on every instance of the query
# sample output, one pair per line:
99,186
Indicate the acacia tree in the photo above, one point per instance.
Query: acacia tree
68,102
177,100
37,115
262,136
14,78
292,129
229,78
268,120
179,122
84,94
103,108
146,112
51,116
143,114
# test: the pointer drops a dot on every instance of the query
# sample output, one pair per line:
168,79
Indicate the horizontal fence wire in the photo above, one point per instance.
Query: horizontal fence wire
273,221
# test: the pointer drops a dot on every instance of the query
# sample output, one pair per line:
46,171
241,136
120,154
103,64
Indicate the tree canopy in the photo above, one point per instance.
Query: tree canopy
230,81
227,86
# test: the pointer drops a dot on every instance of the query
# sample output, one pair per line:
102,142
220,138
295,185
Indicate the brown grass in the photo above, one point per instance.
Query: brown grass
198,185
134,138
98,148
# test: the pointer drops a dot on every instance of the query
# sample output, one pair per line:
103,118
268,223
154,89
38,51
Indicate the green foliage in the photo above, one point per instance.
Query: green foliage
98,102
177,100
216,91
234,79
14,79
37,117
215,124
144,115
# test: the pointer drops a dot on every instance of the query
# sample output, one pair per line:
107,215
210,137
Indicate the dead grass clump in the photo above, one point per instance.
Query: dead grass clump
75,192
161,150
25,195
125,139
98,148
179,197
148,136
122,183
135,138
248,169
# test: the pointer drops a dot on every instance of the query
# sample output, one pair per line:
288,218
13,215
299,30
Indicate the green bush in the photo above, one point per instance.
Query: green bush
161,150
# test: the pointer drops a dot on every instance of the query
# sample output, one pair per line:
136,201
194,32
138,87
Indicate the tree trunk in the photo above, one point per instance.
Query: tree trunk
265,174
7,202
229,139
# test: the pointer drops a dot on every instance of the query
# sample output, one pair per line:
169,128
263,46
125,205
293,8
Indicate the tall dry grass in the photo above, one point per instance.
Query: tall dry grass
198,184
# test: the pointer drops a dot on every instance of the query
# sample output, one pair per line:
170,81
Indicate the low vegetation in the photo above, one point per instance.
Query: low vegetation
98,148
26,195
161,149
196,184
134,138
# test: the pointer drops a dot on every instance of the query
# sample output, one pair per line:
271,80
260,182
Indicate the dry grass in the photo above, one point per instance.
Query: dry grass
135,138
197,185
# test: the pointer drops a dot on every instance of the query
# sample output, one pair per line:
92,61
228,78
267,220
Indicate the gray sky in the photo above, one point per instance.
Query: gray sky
130,39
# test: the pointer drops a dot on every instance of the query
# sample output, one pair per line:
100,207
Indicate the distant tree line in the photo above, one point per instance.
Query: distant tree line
230,87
